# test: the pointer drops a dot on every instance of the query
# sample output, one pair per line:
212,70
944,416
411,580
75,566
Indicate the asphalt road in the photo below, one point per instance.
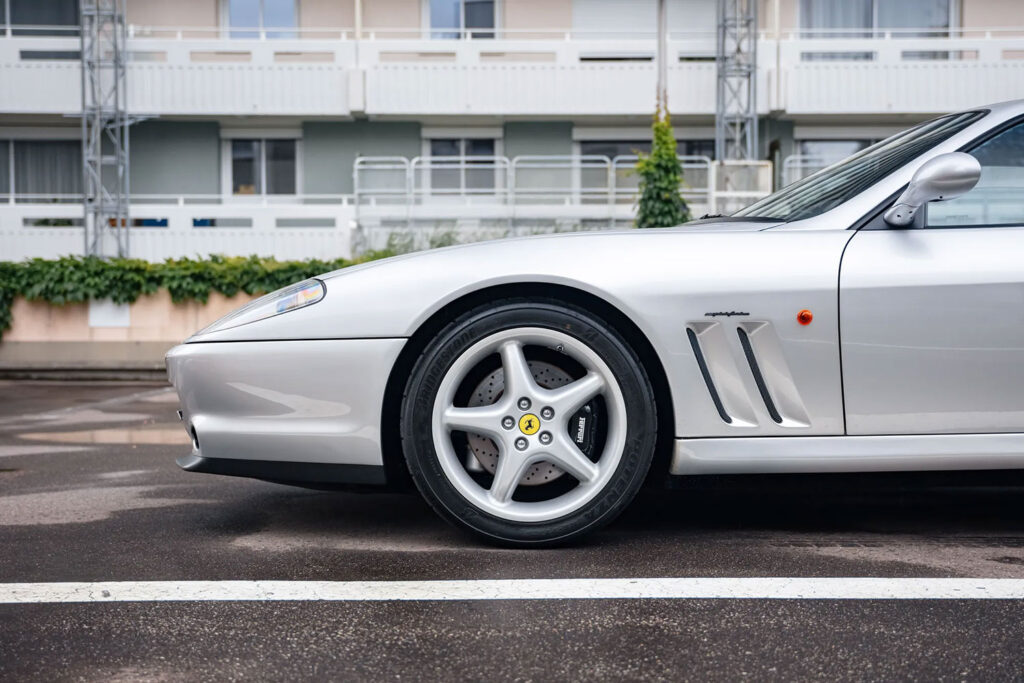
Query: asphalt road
89,492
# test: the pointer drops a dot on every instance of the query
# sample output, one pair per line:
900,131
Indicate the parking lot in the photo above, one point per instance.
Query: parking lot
89,492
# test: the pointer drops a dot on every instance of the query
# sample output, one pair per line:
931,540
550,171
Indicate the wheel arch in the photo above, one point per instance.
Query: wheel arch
391,442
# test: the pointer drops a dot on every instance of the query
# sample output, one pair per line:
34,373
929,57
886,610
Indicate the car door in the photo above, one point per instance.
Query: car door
932,318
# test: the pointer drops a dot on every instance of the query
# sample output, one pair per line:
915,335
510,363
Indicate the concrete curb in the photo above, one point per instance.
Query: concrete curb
69,372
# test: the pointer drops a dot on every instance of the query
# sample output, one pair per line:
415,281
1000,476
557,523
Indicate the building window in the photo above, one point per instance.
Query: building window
55,17
864,18
45,170
262,167
450,18
843,18
831,151
458,165
6,177
277,18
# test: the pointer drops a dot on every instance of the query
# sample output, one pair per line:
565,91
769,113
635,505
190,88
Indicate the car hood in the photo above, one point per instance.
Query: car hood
393,297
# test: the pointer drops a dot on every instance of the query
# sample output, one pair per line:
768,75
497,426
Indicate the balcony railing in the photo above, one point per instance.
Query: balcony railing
410,71
420,199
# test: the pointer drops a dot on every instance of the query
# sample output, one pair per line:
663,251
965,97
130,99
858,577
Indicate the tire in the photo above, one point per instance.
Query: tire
528,422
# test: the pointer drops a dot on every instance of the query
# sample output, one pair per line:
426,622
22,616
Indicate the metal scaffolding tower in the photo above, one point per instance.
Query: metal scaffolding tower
736,104
105,187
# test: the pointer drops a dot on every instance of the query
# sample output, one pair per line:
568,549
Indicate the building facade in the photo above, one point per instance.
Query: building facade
311,127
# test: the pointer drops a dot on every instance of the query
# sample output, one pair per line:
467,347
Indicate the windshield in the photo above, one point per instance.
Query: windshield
832,186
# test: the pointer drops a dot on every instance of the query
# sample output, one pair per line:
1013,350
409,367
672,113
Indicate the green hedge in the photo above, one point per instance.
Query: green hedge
75,279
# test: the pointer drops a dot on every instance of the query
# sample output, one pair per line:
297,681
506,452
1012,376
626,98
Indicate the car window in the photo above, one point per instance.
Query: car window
840,182
998,198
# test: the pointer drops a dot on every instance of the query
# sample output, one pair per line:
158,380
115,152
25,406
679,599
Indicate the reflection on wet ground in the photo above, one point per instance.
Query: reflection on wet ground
149,434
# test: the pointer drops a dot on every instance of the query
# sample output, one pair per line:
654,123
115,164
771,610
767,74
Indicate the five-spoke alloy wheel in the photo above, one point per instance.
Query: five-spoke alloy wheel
528,422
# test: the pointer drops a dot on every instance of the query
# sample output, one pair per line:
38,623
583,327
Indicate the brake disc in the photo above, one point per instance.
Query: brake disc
490,390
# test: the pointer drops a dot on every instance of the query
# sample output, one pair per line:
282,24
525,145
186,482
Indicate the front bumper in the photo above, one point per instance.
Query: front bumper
300,402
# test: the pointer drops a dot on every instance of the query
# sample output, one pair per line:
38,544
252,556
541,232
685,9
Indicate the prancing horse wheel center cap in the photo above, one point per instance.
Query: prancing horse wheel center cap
529,424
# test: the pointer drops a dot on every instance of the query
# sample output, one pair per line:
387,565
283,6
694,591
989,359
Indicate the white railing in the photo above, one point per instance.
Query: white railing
404,71
429,201
908,71
580,183
544,179
798,166
166,226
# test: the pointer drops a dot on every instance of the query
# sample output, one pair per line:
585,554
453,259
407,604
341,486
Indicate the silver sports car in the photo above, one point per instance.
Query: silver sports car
867,318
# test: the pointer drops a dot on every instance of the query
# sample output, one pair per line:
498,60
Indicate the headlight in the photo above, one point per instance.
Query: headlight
293,297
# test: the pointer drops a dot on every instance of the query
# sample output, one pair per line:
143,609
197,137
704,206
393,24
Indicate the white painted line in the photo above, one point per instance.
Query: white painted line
15,451
518,589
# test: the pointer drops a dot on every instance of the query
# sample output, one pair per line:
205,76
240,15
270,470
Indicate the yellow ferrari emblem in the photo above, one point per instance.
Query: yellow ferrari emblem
529,424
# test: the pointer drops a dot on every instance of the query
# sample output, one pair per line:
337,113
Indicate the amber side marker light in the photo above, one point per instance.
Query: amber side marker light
804,317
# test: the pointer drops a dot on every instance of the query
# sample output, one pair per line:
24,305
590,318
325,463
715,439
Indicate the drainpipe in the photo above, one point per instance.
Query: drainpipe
359,19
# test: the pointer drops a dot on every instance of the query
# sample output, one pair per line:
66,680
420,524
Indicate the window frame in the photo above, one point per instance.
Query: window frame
226,30
967,148
429,31
954,19
227,169
464,188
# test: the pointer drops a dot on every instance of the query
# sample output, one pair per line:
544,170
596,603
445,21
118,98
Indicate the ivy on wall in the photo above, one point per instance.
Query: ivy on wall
660,204
75,279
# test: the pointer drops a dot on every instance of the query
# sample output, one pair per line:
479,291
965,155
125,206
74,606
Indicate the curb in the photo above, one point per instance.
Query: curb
84,373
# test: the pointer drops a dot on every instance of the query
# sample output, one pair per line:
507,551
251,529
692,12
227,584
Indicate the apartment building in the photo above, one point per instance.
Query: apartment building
301,127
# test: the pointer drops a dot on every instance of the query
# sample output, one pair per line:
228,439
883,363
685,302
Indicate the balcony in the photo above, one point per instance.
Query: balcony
327,72
885,72
421,201
187,72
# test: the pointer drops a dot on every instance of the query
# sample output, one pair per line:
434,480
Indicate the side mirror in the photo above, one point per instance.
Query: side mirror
947,176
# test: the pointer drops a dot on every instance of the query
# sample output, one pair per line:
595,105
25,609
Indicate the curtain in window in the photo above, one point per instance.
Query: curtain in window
5,166
245,167
48,167
479,14
44,13
265,14
836,14
445,14
280,166
926,14
280,14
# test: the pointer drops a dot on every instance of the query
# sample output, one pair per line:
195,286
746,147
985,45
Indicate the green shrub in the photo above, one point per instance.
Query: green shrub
660,204
74,279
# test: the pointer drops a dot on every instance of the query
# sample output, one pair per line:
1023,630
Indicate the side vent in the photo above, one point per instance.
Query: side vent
703,365
755,370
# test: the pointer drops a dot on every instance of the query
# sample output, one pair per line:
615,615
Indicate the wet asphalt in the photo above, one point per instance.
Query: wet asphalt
89,492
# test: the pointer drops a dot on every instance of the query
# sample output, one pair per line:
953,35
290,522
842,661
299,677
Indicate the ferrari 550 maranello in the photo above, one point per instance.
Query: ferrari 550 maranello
867,318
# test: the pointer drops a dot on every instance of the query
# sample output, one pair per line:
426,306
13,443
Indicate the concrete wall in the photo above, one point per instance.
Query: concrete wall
177,13
379,14
992,13
554,15
47,336
789,14
326,14
175,157
329,149
532,137
641,15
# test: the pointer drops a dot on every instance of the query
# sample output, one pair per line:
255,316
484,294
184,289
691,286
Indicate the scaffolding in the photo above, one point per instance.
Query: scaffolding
105,165
736,101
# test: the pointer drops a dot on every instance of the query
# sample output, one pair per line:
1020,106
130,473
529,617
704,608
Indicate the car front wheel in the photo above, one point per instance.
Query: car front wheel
528,422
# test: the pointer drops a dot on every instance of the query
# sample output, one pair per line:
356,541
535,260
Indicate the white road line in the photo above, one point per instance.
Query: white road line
780,588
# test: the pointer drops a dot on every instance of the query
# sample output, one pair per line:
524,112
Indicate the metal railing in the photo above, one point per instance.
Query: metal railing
798,166
545,179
